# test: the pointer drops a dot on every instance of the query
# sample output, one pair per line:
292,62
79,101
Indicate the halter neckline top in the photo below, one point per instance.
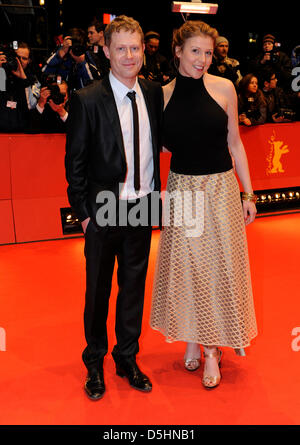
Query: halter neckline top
195,130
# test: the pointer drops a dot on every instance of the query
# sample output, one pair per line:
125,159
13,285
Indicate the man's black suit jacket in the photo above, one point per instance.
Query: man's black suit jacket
95,156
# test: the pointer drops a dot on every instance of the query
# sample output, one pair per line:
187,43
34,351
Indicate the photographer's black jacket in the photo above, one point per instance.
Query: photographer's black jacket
15,118
47,122
280,63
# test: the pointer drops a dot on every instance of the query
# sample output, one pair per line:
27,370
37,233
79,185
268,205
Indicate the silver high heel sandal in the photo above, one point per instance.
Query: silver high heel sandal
192,363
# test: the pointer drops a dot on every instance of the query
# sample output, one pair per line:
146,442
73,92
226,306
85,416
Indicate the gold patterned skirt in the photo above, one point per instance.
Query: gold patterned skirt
202,286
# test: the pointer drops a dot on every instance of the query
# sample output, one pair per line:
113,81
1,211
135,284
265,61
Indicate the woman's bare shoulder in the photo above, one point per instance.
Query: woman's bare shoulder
168,91
170,85
220,84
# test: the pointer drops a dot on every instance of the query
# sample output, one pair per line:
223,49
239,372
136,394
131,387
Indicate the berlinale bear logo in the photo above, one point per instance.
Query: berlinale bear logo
277,149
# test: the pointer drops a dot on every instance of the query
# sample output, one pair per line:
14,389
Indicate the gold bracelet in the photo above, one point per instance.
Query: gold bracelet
249,197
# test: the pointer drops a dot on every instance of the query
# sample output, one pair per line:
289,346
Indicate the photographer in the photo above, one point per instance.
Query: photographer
222,65
51,112
156,66
279,108
19,87
252,106
96,43
274,58
73,62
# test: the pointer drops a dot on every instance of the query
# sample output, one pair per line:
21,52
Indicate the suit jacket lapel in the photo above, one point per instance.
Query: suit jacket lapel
112,113
107,97
151,112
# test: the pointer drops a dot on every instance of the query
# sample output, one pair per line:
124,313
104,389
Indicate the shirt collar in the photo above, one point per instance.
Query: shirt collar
121,90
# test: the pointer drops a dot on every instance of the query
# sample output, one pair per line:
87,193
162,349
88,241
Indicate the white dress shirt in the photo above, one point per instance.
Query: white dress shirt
146,153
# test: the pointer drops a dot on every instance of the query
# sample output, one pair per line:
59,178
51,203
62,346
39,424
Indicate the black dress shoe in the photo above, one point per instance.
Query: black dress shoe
94,385
128,368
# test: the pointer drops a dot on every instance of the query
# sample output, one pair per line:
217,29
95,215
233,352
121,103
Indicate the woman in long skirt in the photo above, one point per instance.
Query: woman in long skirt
202,291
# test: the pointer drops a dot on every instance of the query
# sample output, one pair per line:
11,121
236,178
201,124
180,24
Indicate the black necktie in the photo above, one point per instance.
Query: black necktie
136,145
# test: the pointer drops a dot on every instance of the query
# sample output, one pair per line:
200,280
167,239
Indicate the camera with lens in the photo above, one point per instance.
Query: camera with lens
11,63
51,81
274,54
287,113
78,49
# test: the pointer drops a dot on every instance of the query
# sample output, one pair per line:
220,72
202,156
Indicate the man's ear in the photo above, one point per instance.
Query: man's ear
106,51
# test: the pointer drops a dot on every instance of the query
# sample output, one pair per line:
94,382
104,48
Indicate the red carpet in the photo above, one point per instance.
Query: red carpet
41,306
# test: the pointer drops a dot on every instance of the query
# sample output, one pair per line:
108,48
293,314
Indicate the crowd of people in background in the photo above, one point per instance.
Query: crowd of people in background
34,98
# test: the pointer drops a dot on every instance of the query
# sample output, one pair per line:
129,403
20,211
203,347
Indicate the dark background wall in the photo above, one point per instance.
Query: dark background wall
234,19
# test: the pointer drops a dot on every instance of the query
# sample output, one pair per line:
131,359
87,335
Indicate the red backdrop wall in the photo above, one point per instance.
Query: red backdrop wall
33,185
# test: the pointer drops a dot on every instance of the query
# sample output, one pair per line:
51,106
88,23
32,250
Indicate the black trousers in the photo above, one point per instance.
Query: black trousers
131,247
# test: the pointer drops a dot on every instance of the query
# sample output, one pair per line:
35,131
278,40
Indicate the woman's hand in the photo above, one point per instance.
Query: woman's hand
85,223
249,210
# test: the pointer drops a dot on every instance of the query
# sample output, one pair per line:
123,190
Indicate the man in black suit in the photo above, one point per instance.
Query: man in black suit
101,161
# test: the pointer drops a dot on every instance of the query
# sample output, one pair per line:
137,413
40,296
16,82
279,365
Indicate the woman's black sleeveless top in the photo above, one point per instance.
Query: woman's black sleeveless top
195,130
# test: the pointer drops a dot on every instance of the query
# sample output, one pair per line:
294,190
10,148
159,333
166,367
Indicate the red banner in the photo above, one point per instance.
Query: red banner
33,185
273,152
